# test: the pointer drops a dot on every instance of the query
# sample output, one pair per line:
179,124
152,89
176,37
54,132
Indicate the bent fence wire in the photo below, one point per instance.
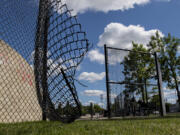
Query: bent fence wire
133,83
41,46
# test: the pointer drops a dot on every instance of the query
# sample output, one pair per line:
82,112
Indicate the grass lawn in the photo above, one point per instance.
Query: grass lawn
156,126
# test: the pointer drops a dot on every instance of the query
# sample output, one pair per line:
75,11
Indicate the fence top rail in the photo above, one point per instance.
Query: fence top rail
128,50
129,83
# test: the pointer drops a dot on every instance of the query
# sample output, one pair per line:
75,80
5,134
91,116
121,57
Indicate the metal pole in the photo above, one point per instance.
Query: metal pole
92,110
45,85
41,54
71,89
161,93
107,80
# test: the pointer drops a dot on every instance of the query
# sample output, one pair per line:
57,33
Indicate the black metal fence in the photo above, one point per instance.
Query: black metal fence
41,46
134,83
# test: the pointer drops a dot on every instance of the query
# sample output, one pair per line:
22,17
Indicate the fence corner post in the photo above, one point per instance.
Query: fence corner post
107,82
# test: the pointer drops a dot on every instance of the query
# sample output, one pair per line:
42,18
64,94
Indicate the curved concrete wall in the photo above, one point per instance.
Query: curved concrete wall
18,98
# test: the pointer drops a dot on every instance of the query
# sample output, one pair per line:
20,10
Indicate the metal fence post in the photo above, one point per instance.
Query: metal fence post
161,93
41,47
71,89
107,82
45,85
92,110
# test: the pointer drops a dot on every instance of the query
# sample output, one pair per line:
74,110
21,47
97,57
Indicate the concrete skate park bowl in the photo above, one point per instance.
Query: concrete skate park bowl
18,97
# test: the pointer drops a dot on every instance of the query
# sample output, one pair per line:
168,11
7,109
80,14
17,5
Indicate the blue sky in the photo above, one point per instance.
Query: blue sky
155,15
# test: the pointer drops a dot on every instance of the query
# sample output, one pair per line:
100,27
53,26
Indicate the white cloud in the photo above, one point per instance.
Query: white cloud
54,66
98,93
179,49
95,55
170,95
172,100
81,6
178,78
162,0
91,77
101,104
94,92
120,36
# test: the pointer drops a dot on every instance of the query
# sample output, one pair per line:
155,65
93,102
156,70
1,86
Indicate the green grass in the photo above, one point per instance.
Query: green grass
156,126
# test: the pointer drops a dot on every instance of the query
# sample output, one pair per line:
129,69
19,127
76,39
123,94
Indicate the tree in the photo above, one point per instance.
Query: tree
98,109
88,109
138,69
60,109
169,59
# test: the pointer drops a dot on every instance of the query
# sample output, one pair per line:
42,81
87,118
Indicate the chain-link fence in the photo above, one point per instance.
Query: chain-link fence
134,83
41,46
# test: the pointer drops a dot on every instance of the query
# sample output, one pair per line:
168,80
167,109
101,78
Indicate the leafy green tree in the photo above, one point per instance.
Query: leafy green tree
98,109
60,109
138,69
155,99
87,109
169,58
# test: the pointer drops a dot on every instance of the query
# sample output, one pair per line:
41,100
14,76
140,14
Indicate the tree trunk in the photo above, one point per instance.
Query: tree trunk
176,83
143,95
145,87
177,89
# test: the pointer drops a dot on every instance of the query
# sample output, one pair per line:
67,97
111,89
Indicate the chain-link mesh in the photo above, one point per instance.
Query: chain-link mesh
41,46
132,83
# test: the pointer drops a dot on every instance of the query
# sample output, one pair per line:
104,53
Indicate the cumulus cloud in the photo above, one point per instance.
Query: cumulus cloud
53,65
96,56
178,49
91,77
170,95
98,93
120,36
93,92
178,78
162,0
81,6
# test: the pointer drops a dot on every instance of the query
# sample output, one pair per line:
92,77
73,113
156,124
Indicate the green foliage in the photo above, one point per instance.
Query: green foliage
98,109
155,99
138,68
169,57
87,109
141,68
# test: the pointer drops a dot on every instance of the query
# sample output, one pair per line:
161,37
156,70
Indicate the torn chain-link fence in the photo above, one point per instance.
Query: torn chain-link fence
41,46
